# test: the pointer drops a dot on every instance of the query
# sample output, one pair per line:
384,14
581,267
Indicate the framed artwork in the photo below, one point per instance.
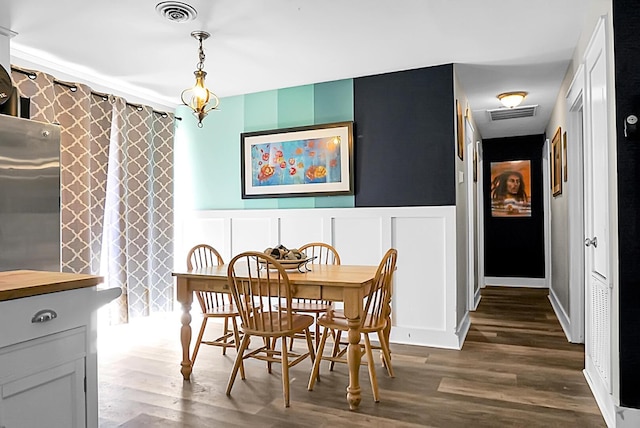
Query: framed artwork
314,160
511,188
475,164
556,163
564,155
460,130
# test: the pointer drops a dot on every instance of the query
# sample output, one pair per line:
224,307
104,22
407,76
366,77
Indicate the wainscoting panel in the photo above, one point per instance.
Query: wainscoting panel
296,231
253,234
425,283
423,242
357,239
204,231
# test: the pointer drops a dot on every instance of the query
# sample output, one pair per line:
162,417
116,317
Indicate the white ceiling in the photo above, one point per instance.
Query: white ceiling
125,47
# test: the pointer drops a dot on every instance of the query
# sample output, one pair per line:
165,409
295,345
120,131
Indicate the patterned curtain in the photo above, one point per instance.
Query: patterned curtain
117,190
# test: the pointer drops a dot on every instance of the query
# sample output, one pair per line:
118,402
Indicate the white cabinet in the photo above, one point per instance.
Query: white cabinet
42,383
48,358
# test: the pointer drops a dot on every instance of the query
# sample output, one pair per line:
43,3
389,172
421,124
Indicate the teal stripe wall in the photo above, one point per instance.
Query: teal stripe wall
207,159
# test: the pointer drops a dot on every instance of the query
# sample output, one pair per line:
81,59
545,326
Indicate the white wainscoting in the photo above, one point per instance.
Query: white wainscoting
424,306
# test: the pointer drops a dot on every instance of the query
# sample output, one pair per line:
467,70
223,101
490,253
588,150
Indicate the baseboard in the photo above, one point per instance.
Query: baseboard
476,299
565,323
463,329
604,400
516,282
424,337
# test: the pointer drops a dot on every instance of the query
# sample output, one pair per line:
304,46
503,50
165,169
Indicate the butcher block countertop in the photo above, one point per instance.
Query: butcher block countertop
17,284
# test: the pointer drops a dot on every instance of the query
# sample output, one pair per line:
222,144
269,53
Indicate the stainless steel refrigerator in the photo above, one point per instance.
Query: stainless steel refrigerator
29,195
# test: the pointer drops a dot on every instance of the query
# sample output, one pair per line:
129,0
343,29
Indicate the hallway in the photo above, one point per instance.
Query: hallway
514,332
516,369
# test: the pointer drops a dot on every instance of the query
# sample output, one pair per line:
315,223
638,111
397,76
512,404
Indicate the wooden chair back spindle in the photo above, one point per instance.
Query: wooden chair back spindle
212,304
375,320
257,282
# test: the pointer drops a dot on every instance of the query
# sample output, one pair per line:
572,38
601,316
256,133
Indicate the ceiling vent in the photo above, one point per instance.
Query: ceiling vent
176,11
512,113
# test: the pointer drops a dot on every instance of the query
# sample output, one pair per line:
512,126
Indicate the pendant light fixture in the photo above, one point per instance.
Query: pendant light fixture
512,99
200,99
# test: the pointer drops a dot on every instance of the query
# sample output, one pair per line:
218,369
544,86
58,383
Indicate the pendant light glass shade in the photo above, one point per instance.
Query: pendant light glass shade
200,99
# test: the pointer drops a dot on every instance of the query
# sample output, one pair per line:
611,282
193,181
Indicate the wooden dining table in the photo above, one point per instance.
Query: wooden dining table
339,283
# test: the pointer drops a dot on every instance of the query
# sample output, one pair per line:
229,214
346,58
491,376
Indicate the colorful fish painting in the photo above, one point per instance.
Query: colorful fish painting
317,160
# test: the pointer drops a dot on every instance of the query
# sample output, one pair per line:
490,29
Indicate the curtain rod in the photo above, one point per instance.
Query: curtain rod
73,87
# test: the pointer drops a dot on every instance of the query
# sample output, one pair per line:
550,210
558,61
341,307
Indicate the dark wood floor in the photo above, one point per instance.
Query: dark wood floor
516,369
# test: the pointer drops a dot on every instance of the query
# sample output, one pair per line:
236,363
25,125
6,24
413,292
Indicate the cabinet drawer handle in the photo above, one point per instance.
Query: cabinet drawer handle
44,316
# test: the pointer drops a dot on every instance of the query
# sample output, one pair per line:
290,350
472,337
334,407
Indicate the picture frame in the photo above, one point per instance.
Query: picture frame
511,188
475,165
315,160
556,163
564,156
460,130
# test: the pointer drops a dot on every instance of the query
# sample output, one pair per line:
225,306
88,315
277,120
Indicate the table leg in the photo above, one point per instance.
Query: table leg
353,311
353,358
185,338
185,297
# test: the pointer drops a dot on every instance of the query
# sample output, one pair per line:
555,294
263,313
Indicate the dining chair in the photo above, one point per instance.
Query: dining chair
258,282
213,305
320,253
376,313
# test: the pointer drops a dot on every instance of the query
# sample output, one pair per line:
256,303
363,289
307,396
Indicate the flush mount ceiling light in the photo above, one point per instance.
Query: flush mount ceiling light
200,99
512,99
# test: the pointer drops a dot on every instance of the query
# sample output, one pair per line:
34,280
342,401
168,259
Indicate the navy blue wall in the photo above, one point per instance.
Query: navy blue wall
404,127
626,23
514,247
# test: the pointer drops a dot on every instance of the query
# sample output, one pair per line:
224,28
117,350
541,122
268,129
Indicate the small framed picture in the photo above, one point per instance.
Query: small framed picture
460,130
556,163
564,155
475,165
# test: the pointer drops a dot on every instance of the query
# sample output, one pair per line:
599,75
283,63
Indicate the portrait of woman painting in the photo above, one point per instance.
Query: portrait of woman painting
511,189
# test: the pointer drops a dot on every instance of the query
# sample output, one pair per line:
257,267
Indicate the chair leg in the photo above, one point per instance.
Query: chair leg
199,340
310,346
225,331
238,363
317,332
236,339
291,345
372,369
315,372
285,371
386,354
268,342
336,348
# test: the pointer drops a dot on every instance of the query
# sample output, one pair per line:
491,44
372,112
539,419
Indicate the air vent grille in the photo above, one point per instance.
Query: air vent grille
512,113
176,11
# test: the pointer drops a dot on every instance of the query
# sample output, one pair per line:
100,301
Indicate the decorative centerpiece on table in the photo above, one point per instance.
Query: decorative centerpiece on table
289,258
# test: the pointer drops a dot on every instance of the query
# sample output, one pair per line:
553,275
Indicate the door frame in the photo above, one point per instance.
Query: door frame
546,196
575,181
480,215
473,293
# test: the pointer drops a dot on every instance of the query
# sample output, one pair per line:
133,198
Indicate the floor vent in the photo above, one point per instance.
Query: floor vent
512,113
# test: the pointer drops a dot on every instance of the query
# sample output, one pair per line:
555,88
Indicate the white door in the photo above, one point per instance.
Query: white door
597,251
472,216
